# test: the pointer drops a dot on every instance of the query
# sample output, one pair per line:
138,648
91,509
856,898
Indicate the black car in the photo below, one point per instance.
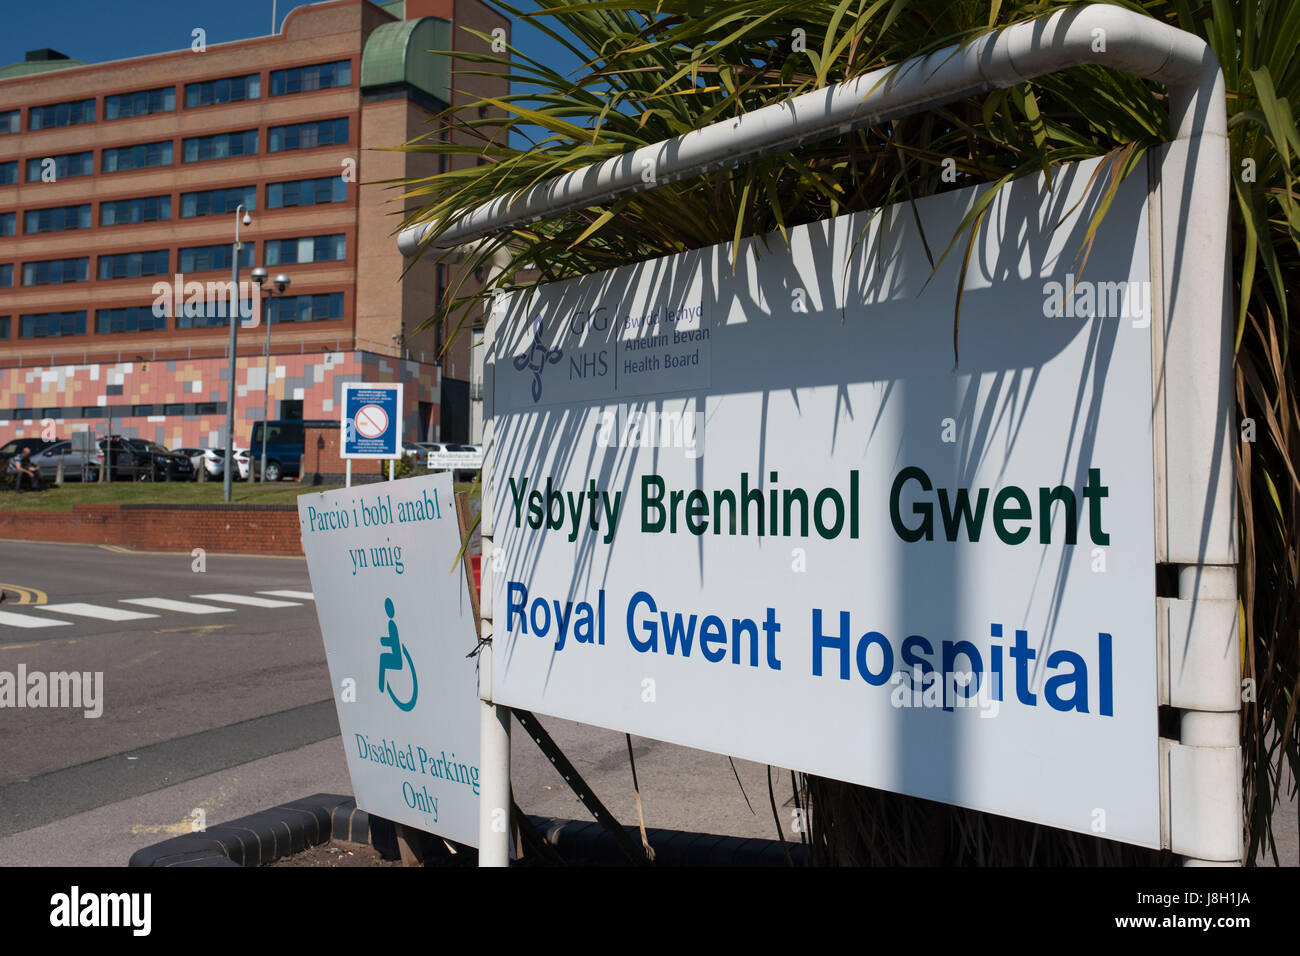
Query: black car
140,460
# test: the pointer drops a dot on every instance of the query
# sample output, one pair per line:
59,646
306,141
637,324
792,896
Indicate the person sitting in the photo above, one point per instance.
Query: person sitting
27,471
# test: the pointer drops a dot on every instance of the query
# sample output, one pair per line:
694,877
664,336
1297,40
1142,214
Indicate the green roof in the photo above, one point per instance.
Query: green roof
399,53
39,66
396,8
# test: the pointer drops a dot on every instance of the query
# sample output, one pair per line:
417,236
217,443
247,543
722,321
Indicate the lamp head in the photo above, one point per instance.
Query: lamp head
248,220
281,283
259,276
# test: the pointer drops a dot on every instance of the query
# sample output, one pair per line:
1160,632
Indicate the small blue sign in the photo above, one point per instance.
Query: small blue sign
372,420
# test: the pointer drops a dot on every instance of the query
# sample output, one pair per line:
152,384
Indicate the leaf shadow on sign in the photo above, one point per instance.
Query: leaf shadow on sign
868,298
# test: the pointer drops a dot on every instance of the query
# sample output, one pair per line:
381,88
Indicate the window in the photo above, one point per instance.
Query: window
54,271
306,192
209,314
8,223
87,411
135,318
236,89
6,276
143,410
50,324
304,79
306,308
122,105
9,173
10,121
219,146
307,249
65,166
208,258
4,326
205,408
143,156
217,201
61,114
57,219
174,410
132,265
125,211
307,135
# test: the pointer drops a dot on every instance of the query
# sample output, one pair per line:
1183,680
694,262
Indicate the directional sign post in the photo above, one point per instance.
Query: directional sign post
372,422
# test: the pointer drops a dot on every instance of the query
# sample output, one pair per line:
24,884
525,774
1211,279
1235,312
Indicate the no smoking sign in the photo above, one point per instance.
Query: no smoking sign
372,420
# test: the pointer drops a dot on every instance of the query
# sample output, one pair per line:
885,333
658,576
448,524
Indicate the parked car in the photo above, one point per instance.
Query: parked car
195,455
142,460
75,463
213,460
284,446
14,448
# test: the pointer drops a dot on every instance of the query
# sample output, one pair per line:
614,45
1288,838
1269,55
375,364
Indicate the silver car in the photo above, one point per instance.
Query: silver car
75,463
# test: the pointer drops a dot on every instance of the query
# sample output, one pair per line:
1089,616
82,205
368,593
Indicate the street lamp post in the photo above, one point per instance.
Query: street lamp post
281,283
234,314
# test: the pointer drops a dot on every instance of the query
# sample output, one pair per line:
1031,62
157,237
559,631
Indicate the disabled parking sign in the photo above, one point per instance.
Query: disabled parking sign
398,627
372,420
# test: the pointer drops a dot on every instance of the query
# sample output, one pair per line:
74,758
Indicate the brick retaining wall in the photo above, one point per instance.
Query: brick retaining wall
234,529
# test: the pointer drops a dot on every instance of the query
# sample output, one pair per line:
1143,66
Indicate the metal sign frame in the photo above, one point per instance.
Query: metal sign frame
1195,494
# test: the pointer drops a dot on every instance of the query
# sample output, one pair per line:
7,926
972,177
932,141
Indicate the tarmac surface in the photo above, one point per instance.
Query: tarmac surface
216,704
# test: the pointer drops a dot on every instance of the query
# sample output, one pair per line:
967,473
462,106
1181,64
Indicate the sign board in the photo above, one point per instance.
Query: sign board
763,510
397,627
372,420
460,460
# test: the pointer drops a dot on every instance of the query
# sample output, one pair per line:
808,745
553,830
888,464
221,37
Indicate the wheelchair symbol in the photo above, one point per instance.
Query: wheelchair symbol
392,658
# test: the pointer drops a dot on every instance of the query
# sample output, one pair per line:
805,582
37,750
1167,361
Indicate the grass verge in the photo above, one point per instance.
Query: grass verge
64,497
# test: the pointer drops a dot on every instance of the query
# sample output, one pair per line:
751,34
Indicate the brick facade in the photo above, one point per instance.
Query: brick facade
230,529
321,464
316,379
388,311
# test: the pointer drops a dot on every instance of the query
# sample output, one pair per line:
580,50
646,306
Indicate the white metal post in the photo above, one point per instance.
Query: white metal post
348,483
494,743
494,790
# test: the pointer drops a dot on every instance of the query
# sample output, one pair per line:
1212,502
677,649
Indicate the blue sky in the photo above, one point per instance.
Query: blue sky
97,30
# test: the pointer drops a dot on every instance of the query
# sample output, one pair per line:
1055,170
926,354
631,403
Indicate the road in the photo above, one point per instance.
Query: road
216,697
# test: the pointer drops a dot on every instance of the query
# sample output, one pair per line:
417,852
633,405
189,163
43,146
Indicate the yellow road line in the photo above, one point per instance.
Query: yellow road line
51,643
25,595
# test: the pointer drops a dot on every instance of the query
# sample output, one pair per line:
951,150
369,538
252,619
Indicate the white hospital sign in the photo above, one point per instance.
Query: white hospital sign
880,567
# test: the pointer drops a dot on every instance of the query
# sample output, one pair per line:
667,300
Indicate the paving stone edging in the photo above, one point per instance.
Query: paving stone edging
266,836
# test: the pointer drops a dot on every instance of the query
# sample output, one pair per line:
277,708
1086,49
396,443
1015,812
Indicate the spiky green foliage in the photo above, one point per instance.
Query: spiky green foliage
653,71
